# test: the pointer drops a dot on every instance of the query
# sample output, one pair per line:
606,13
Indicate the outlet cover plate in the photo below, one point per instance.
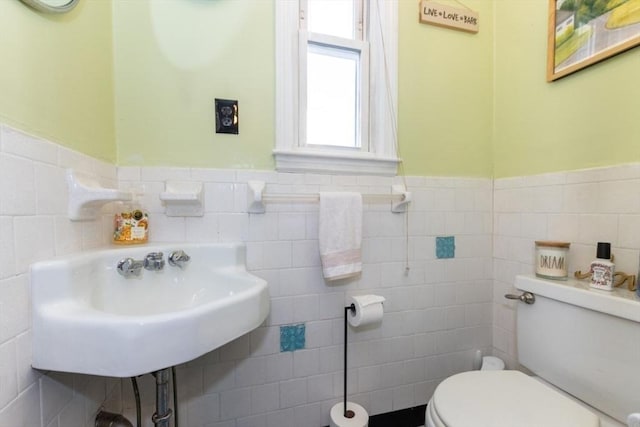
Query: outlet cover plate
226,116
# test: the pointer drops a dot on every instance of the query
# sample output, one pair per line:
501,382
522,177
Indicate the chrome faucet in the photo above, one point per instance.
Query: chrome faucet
128,267
153,261
178,258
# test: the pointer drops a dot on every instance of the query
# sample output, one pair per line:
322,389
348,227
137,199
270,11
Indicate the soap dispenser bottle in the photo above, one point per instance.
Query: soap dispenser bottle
131,223
602,269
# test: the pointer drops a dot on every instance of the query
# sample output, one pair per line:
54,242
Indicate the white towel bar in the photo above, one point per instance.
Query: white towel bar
256,197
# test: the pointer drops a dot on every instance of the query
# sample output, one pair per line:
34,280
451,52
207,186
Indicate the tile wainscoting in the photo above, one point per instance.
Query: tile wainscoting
581,207
437,313
34,226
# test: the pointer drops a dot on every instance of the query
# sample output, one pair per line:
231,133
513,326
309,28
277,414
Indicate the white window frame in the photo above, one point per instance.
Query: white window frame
378,156
334,43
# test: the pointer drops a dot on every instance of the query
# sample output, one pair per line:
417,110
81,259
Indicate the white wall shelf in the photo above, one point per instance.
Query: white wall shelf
183,198
87,196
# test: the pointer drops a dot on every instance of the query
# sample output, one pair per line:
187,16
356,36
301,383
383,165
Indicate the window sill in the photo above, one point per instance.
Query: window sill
335,162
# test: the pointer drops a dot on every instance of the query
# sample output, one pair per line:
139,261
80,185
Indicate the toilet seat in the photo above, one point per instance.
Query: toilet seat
503,399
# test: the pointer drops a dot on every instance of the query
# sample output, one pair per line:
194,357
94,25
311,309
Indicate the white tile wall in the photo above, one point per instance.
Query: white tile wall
437,313
33,227
580,207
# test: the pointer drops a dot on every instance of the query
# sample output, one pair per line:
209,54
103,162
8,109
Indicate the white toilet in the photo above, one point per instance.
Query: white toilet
583,345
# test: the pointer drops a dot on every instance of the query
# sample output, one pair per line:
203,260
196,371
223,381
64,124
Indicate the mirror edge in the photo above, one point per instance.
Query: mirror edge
43,7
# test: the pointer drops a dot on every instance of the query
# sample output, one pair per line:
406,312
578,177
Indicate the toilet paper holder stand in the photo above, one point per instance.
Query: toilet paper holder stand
348,309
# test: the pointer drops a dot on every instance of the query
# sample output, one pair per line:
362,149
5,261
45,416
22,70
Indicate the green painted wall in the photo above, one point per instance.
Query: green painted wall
446,94
168,74
172,59
56,76
588,119
469,104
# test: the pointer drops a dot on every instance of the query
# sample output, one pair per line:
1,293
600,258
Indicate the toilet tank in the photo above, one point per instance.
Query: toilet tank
584,341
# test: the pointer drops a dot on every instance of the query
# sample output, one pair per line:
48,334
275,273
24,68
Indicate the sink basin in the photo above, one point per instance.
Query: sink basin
88,318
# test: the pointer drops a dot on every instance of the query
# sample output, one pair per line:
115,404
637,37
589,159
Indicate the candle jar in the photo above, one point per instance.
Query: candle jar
552,259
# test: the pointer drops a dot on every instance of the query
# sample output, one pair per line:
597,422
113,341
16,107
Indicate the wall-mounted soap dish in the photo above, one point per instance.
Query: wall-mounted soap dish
183,198
87,196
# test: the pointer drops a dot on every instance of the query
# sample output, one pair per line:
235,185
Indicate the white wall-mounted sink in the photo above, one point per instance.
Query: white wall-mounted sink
88,318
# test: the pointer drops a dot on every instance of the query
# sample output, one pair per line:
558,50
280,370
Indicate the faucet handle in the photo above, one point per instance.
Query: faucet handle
178,258
154,256
129,267
153,261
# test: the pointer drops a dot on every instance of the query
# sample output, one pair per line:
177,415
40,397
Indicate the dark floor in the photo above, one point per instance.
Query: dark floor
412,417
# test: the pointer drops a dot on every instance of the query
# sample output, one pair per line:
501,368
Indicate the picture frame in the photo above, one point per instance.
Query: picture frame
582,33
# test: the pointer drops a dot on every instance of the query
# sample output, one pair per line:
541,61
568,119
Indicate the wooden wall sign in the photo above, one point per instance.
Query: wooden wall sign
449,17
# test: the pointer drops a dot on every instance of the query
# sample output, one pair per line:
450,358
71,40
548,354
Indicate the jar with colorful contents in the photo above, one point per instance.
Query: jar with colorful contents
131,226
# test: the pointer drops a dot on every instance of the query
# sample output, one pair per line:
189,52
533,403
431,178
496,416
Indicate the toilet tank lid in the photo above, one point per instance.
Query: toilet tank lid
505,399
618,302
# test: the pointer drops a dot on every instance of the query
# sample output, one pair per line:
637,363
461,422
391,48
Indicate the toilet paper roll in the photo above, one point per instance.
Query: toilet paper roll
368,309
360,419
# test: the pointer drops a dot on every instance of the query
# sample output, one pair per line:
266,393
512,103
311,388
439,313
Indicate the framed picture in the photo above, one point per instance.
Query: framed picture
583,32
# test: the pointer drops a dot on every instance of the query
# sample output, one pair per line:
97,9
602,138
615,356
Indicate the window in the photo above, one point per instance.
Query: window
336,85
333,70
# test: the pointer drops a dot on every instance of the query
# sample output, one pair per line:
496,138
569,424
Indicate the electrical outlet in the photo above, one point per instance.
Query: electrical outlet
227,116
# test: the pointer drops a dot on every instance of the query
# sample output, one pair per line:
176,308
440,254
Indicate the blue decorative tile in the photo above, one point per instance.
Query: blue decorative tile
292,337
445,247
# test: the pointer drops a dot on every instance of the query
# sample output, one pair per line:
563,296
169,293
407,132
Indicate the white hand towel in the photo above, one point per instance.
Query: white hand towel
340,234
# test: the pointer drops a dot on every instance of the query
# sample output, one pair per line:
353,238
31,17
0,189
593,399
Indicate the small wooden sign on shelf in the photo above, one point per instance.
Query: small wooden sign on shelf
450,17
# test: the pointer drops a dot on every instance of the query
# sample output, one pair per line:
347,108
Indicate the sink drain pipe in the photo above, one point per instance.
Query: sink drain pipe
163,412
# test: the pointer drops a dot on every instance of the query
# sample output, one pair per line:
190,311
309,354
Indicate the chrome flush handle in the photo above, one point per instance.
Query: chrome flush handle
527,297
